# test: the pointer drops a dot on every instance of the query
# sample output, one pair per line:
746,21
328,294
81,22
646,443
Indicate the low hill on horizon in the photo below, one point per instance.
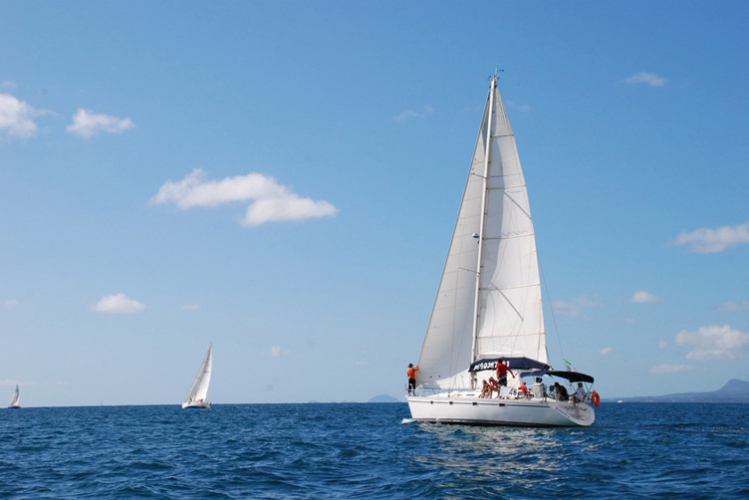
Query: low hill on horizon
384,398
735,391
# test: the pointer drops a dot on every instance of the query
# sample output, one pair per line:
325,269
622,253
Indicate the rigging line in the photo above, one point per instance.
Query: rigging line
551,306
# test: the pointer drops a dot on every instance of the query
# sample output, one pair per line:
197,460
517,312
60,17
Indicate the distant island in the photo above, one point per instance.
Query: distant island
384,398
735,391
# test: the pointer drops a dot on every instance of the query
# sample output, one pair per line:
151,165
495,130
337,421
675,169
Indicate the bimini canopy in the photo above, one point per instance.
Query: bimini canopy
513,364
571,376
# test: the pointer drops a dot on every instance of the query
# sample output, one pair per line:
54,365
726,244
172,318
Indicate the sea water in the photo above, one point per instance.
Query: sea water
369,451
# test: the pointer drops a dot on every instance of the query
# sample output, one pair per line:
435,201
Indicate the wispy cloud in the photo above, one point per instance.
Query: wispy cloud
277,351
118,304
86,124
515,105
706,240
714,342
660,369
573,309
646,78
410,115
17,117
606,350
9,303
734,306
270,201
193,307
644,297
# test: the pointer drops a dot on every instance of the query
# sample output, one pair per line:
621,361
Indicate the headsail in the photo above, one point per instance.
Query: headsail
509,318
199,389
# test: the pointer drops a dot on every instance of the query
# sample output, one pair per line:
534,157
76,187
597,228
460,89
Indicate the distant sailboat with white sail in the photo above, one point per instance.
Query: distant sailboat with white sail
15,402
488,310
196,397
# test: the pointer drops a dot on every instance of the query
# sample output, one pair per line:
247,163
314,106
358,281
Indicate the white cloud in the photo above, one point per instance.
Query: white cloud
643,297
706,240
733,306
16,117
521,107
606,350
662,343
672,369
86,124
9,303
270,200
408,115
575,308
277,351
118,304
714,342
193,307
647,78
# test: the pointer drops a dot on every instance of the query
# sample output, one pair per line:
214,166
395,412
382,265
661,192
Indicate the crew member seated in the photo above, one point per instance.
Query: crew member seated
579,395
523,390
560,392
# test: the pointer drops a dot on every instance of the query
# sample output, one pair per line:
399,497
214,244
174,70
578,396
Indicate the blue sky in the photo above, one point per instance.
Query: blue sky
281,179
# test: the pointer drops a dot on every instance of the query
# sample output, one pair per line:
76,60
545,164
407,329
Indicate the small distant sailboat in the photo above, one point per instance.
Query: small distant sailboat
15,403
488,309
196,398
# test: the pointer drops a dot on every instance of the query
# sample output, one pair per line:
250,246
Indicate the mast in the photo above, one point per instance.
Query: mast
485,179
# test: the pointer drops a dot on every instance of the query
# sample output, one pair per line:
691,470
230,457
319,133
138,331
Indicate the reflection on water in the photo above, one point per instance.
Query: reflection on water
496,456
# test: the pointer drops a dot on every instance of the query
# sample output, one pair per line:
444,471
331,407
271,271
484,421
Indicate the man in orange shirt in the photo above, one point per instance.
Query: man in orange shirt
411,372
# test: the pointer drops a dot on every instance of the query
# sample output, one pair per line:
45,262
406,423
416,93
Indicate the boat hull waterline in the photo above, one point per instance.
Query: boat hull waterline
195,405
473,410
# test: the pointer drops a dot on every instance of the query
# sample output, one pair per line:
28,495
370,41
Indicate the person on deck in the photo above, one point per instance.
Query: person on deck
495,386
561,392
523,390
486,390
411,372
579,395
502,372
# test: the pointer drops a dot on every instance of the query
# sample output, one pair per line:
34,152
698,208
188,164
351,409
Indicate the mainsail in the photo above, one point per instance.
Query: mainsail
492,259
199,390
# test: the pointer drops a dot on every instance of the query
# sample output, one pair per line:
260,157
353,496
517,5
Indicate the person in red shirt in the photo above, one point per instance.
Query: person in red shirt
502,372
523,390
411,372
494,386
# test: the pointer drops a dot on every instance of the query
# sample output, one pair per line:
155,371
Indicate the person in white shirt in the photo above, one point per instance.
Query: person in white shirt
579,395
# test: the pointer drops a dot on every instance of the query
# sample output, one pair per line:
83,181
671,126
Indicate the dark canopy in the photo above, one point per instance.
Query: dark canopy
571,376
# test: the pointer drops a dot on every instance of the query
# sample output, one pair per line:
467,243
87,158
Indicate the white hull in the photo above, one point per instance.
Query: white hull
195,404
468,408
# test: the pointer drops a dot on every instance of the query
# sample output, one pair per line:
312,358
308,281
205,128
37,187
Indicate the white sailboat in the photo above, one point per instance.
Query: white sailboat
488,307
15,402
196,397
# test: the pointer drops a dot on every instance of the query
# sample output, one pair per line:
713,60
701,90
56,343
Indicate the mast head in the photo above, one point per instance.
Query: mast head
495,77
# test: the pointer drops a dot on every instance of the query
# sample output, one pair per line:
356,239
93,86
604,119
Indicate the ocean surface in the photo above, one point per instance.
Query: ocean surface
636,450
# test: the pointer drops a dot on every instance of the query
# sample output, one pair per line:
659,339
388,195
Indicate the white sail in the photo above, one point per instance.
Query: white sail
508,321
15,402
199,390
